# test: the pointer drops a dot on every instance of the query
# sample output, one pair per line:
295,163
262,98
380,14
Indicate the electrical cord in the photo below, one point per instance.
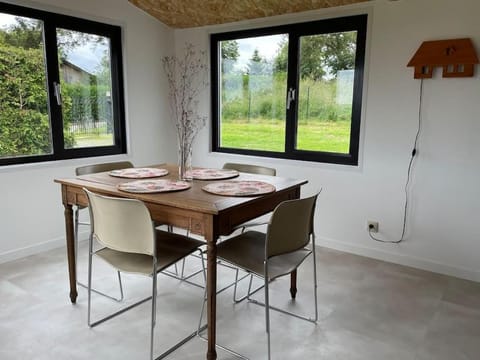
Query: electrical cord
409,171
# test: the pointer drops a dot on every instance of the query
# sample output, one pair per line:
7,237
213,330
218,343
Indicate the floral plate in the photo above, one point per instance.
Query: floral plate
153,186
240,188
211,174
138,173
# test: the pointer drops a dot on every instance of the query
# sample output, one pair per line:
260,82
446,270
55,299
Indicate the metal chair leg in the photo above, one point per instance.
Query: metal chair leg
315,284
154,306
267,316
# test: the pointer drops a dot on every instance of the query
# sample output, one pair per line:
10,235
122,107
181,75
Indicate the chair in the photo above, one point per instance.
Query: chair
92,169
278,252
132,244
252,169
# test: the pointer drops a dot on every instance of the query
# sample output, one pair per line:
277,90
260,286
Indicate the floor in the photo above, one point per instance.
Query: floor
368,310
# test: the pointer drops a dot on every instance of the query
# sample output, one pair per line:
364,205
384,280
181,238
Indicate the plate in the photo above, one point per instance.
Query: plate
239,188
212,174
139,173
153,186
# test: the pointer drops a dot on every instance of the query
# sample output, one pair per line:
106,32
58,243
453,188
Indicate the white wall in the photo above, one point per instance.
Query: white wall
31,214
444,232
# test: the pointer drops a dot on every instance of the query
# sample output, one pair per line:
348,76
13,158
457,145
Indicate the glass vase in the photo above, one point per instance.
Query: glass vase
185,163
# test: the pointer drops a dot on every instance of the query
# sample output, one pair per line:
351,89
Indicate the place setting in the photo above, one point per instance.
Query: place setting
139,173
146,183
239,188
211,174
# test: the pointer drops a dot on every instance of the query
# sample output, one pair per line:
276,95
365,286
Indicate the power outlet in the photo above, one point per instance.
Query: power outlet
372,226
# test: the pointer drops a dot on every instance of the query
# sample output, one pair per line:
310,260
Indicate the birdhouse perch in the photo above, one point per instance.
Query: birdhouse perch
457,57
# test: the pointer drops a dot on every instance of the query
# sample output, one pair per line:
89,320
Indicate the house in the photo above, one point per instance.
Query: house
75,74
443,229
457,57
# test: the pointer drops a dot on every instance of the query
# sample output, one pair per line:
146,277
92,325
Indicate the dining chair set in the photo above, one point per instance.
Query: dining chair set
124,236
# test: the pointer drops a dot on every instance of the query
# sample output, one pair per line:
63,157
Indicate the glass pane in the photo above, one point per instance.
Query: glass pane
86,87
253,82
327,66
24,121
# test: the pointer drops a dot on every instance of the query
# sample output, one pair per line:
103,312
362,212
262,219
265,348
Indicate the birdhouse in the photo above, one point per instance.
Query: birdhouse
457,57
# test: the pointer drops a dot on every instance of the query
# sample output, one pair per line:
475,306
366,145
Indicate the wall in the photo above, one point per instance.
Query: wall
31,214
443,233
443,229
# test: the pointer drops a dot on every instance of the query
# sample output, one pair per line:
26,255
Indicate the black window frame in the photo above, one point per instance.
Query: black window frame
51,22
295,31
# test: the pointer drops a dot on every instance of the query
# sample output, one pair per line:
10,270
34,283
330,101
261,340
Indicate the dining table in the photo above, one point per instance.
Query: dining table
201,212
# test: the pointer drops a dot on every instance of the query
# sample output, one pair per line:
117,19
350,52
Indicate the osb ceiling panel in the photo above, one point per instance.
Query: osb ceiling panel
193,13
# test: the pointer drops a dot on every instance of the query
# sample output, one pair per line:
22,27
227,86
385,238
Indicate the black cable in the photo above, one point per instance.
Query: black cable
407,183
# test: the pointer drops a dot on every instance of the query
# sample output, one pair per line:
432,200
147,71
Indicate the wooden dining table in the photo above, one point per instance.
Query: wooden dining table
201,212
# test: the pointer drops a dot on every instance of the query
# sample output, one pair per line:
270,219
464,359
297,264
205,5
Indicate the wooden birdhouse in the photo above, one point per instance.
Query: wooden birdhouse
457,57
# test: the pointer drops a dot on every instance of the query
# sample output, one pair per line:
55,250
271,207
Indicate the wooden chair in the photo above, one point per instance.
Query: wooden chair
278,252
132,244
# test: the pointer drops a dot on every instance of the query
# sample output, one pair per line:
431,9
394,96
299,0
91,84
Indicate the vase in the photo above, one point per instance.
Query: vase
185,163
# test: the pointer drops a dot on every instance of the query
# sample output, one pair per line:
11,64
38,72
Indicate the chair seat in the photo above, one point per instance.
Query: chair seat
170,249
247,251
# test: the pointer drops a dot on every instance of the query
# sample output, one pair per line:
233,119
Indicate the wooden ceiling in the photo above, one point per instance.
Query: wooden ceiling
192,13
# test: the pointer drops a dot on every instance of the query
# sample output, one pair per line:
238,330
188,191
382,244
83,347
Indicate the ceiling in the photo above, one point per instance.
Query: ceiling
192,13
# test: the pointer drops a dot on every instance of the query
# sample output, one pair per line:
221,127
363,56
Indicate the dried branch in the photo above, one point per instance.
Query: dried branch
187,77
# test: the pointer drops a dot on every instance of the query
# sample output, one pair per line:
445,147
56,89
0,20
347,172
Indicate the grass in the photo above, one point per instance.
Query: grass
264,134
92,140
269,135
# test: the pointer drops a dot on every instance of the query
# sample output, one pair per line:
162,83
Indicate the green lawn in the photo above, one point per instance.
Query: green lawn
91,140
328,136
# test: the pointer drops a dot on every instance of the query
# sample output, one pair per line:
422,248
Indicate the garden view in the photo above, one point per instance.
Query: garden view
254,92
83,92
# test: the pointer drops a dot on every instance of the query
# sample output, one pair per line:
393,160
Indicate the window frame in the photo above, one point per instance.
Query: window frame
295,31
53,21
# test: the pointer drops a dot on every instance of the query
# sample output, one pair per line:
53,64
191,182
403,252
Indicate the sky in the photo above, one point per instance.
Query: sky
267,47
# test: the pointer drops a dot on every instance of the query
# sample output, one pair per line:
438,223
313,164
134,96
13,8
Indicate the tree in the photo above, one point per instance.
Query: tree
25,33
257,64
230,54
320,55
230,50
24,120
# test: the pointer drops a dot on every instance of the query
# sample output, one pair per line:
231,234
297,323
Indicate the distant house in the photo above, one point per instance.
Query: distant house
73,74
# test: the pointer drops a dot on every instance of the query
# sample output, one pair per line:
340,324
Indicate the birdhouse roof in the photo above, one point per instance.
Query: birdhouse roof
445,52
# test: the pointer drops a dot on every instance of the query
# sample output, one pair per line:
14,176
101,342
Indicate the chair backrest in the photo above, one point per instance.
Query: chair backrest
96,168
290,226
252,169
121,224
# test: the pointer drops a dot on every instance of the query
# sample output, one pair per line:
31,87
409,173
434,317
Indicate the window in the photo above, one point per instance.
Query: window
292,91
61,87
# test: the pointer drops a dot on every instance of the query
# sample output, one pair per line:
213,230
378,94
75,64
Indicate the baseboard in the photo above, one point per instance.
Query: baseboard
411,261
37,248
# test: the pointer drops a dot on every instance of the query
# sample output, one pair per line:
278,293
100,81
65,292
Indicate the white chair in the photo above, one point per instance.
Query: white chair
132,244
278,252
92,169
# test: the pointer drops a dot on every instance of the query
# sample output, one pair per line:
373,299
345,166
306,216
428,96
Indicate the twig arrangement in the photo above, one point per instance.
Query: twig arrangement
187,77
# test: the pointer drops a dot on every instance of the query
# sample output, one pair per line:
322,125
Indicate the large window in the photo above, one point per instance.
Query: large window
61,87
292,91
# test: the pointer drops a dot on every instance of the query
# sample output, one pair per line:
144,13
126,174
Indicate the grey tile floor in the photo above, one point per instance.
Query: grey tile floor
368,310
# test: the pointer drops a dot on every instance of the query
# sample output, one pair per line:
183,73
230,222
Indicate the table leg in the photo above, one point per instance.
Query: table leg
293,283
211,297
71,252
